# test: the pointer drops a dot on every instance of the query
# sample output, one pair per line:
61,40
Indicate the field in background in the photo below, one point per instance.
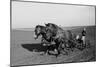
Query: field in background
21,56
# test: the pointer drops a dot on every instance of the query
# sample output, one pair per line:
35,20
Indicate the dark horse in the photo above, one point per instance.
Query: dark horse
59,36
41,30
46,37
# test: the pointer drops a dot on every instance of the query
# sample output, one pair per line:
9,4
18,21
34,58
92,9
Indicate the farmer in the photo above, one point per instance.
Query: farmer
84,35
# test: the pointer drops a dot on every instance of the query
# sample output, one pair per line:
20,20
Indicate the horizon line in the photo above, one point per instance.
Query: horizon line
59,26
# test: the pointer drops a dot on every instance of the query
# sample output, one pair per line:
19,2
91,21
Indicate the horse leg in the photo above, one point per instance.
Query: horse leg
63,48
35,37
56,50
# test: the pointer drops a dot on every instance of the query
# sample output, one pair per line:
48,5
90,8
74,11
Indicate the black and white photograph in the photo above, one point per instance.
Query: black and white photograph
51,33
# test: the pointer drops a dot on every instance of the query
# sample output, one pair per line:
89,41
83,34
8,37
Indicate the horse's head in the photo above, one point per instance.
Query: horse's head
38,30
52,27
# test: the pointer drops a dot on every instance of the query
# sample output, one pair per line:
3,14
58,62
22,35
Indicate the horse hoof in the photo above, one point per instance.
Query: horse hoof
42,53
44,44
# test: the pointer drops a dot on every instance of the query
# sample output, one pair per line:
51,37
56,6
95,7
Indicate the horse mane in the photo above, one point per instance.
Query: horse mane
54,25
39,26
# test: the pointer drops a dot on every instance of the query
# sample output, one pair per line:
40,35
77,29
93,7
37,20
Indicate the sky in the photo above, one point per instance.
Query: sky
29,14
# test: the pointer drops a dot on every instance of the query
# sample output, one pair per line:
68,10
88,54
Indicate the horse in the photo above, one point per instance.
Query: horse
58,35
41,30
45,41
